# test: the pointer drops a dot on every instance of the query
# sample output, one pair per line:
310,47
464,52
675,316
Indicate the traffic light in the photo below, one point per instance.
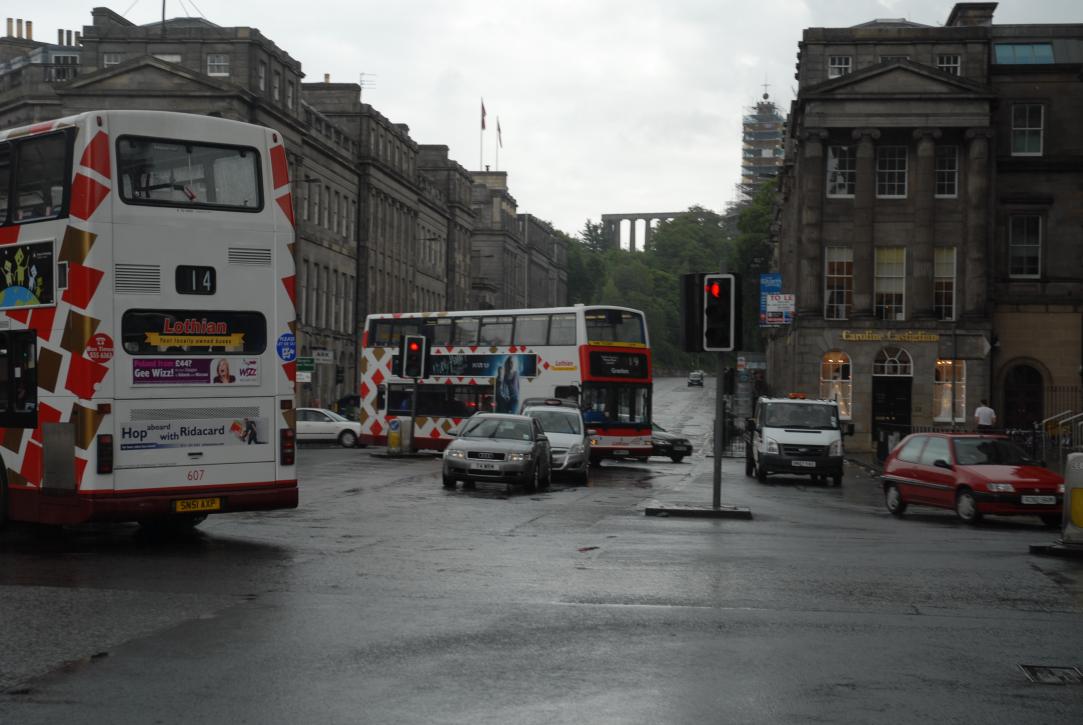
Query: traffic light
721,316
412,355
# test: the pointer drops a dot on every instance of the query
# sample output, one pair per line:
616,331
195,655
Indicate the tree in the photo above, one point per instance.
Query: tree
751,256
593,236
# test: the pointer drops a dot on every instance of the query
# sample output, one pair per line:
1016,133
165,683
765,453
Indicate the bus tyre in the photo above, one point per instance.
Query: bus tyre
3,502
347,439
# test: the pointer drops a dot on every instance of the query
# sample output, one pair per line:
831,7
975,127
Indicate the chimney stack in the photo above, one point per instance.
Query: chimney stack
60,37
67,34
29,29
326,77
78,38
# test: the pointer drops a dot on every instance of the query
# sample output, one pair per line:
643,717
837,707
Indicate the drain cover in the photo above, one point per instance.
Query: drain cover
1044,675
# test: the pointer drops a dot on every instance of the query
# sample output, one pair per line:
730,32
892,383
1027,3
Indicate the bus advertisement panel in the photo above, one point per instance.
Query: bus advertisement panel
134,384
494,360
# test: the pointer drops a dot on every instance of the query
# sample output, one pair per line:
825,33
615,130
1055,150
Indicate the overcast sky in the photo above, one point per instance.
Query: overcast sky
605,105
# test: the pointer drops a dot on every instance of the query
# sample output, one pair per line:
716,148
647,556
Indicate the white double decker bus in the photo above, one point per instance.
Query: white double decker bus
493,360
147,322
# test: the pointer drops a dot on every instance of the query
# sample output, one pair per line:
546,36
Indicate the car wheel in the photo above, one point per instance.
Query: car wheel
548,478
534,480
761,473
836,479
449,481
583,478
966,508
894,500
676,459
1053,521
347,439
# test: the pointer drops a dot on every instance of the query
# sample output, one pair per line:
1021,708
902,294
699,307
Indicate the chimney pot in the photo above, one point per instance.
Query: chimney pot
67,34
326,77
60,37
18,27
29,29
11,27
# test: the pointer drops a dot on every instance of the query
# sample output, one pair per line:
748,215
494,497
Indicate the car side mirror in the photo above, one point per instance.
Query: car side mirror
941,463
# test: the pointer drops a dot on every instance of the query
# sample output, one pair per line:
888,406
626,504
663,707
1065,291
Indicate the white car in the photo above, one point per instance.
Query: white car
563,426
319,424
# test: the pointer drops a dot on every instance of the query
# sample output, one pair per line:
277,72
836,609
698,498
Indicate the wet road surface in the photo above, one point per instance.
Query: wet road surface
387,599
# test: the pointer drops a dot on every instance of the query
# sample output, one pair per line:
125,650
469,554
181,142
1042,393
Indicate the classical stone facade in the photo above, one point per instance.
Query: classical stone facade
547,276
932,202
498,256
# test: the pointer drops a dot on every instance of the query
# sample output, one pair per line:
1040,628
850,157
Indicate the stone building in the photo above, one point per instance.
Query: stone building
547,276
456,184
931,208
498,256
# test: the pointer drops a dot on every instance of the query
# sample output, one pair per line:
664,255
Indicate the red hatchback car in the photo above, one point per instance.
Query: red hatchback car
972,474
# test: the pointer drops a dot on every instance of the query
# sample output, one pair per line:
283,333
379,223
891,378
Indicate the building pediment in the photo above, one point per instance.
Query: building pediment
897,94
147,75
898,78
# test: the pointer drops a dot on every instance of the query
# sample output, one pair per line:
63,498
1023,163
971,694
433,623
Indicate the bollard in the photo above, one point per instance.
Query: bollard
1072,523
394,437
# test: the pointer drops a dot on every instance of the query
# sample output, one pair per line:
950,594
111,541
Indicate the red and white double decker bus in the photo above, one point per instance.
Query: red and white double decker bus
493,360
146,319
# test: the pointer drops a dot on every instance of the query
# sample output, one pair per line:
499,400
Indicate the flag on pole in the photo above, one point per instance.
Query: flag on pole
499,137
482,114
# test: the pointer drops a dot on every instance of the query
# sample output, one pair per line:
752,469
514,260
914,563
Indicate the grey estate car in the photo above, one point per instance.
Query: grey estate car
509,449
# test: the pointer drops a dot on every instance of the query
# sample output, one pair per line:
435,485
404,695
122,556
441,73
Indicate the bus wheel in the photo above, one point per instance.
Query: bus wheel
3,502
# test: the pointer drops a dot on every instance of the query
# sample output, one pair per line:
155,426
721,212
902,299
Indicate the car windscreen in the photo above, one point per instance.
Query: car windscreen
555,421
517,430
801,415
989,452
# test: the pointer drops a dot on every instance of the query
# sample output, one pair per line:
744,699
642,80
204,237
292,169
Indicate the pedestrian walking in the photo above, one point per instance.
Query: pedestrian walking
984,417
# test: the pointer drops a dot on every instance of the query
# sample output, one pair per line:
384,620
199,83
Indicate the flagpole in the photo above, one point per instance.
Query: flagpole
481,139
497,147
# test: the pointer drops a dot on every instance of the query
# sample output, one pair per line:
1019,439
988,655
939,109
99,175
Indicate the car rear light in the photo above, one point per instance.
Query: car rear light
105,453
287,446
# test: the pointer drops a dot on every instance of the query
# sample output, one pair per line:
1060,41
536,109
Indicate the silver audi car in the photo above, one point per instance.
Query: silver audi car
509,449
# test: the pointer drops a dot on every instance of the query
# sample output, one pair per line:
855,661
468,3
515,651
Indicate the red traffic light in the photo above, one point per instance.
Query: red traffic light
414,347
714,289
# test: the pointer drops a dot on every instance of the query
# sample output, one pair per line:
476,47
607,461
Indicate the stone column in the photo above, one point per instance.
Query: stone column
647,235
923,188
809,285
864,202
974,274
632,234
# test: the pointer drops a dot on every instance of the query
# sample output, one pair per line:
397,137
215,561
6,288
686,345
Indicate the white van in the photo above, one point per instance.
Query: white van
796,436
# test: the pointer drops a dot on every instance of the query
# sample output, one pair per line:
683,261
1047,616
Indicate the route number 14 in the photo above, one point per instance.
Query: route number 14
195,280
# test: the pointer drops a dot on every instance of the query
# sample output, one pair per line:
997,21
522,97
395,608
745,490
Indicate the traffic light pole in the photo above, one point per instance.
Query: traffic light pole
719,430
413,416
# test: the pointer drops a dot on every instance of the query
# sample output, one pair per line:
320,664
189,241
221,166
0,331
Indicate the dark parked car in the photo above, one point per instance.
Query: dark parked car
511,449
695,378
664,443
972,474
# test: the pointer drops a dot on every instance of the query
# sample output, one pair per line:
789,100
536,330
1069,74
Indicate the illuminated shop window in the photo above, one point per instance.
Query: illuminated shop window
949,385
835,381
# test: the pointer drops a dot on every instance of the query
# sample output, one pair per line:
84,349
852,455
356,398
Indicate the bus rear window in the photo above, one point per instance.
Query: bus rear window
187,174
193,332
619,326
33,173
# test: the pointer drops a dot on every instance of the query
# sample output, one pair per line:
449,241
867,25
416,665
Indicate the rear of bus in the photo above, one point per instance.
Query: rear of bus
615,360
171,353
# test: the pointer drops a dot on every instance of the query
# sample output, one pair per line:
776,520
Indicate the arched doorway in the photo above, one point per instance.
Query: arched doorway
1024,397
892,381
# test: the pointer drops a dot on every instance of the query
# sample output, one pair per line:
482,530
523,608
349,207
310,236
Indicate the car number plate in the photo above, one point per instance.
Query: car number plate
195,505
484,466
803,464
1040,500
679,448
